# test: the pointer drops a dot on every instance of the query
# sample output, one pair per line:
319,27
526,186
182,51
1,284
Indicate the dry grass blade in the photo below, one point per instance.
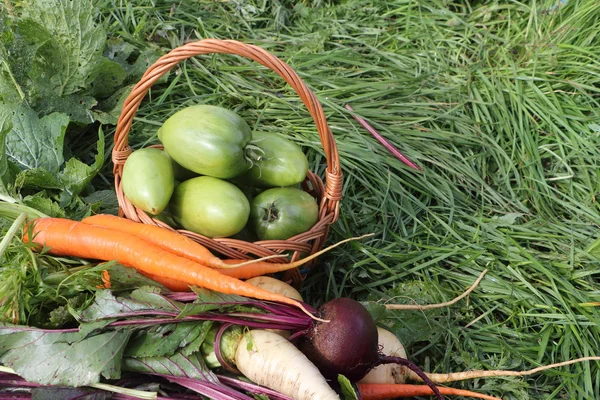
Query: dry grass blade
438,305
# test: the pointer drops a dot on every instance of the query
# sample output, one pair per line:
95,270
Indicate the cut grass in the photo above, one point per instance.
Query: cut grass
499,102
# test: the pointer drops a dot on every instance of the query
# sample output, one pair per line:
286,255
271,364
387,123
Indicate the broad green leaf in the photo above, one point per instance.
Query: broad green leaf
153,298
76,175
192,366
70,44
37,178
103,201
68,359
33,142
106,306
164,340
109,79
195,345
15,61
42,203
76,106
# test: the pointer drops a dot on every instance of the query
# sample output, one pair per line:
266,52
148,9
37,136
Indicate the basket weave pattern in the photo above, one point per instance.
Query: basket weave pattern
328,195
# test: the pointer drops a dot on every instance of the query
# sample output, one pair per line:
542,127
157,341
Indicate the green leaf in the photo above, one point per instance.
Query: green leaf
77,106
119,51
108,110
77,175
106,305
143,62
193,346
164,340
37,178
110,78
192,366
103,202
68,359
70,44
33,142
42,203
348,391
15,61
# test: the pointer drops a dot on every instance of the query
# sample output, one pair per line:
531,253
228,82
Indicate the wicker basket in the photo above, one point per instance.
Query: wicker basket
328,195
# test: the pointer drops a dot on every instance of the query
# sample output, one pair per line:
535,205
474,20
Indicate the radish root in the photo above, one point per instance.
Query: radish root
438,305
461,376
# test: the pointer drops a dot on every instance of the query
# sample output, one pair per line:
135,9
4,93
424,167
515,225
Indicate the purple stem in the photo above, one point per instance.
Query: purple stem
276,308
267,322
297,334
18,382
412,366
253,388
213,391
384,141
219,354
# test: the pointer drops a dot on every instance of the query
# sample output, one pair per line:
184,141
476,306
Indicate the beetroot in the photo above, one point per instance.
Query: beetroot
348,343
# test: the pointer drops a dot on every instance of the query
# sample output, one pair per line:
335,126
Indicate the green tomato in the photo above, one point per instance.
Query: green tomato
276,162
280,213
148,180
209,206
207,140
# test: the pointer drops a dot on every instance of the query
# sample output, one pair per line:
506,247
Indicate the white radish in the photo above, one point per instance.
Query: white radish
387,373
275,286
270,360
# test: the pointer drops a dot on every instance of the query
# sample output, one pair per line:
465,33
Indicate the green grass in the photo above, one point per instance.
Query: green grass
498,101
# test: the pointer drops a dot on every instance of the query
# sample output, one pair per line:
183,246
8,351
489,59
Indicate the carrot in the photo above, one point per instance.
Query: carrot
169,283
71,238
378,391
180,245
171,241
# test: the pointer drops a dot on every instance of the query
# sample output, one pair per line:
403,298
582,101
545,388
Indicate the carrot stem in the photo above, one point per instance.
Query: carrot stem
264,268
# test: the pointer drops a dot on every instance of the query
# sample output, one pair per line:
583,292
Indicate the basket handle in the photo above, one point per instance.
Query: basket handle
121,150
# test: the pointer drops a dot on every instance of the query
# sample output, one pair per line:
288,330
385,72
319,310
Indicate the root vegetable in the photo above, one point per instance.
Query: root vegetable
387,373
270,360
275,286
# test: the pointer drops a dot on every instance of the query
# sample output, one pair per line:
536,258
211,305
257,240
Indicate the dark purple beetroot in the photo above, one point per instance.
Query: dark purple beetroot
347,344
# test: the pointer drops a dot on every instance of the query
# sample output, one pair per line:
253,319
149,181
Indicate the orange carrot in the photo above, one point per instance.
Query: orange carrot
171,241
171,284
182,246
382,391
71,238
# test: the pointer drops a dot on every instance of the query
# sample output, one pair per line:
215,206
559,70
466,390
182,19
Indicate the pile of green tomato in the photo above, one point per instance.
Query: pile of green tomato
217,178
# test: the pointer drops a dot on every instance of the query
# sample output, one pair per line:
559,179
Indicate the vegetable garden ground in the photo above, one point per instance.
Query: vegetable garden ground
497,101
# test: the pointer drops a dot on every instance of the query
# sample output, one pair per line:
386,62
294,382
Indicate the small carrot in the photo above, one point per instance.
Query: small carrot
182,246
381,391
71,238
